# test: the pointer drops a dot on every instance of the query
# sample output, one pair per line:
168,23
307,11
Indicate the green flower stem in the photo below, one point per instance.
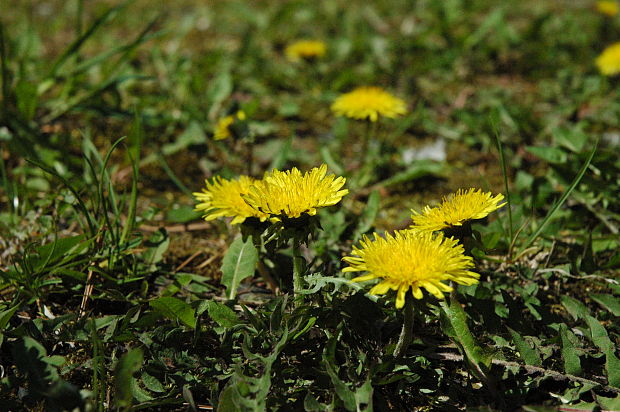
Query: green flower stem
406,334
249,155
298,269
370,133
370,154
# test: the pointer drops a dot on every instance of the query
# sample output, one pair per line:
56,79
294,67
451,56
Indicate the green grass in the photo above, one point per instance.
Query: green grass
115,295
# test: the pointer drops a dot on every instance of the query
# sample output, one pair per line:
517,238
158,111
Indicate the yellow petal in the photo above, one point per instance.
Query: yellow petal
400,296
362,278
417,293
380,288
433,290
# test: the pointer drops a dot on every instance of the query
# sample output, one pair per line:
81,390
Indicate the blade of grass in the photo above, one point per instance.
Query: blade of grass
79,18
81,205
109,81
105,179
100,207
106,55
4,70
562,199
74,47
141,38
23,145
502,161
89,150
98,367
134,156
172,176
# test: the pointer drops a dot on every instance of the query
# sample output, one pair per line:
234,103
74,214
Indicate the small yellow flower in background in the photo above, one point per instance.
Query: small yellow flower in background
222,128
608,62
368,103
608,7
305,49
456,209
411,260
292,194
223,198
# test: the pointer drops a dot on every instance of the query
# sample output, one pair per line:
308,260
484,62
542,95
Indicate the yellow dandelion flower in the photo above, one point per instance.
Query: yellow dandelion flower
292,194
222,128
608,7
369,103
456,209
608,62
305,49
411,260
223,198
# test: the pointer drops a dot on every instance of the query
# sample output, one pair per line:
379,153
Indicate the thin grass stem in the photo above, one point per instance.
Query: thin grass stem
562,199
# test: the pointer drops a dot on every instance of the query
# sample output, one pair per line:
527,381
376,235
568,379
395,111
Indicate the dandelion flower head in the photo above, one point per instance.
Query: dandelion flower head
608,62
223,198
291,193
305,49
368,103
222,128
456,209
609,8
411,260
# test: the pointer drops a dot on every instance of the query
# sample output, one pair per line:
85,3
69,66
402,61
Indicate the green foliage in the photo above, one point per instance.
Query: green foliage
124,382
41,376
238,264
116,295
175,309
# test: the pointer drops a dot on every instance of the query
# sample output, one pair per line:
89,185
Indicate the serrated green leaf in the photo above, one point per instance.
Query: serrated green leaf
572,365
175,309
612,366
123,377
222,314
152,383
238,263
455,325
601,339
598,334
346,395
138,393
576,309
609,302
527,353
